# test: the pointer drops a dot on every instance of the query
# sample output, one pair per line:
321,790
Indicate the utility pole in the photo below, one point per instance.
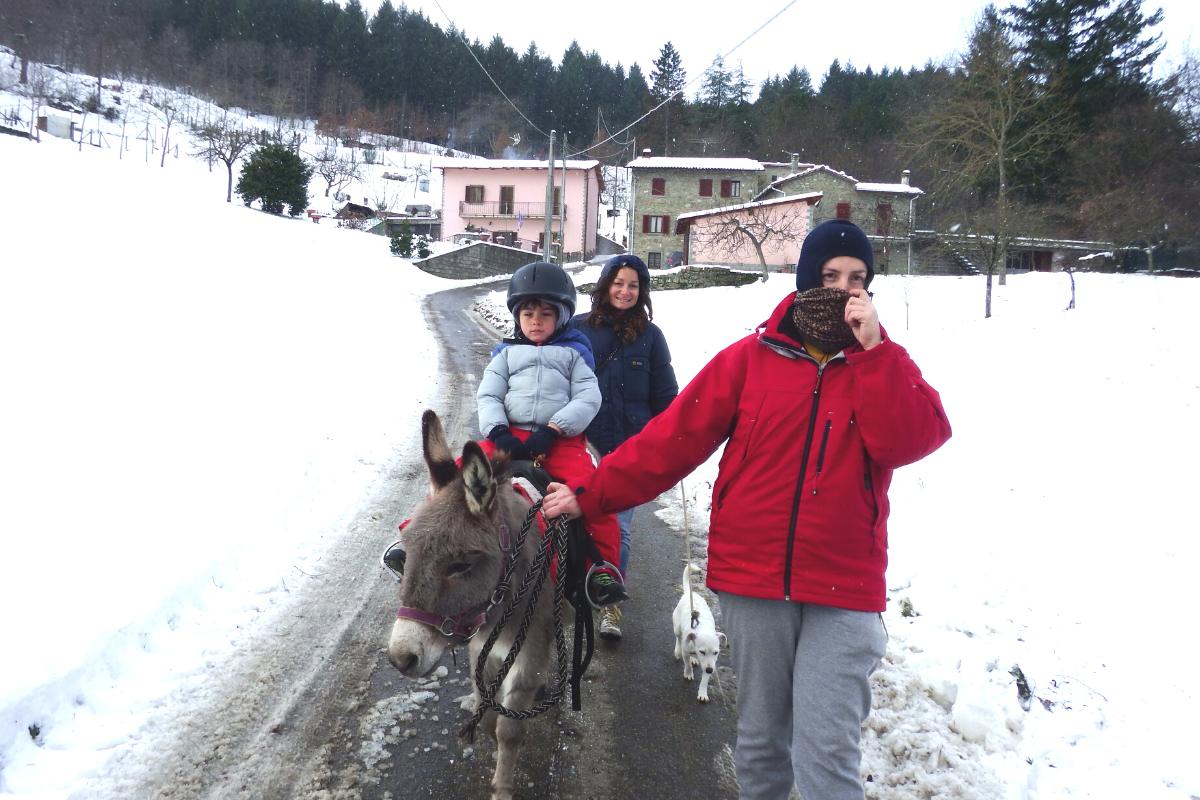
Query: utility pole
546,254
562,203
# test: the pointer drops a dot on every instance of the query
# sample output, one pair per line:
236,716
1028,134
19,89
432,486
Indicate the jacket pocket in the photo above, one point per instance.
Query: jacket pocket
741,439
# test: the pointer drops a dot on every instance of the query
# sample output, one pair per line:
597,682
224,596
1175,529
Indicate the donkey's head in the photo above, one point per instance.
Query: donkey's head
454,557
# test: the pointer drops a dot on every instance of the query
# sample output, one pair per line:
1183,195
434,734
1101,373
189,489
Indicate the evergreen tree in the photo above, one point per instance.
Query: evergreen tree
1097,53
402,242
667,80
276,176
573,110
634,97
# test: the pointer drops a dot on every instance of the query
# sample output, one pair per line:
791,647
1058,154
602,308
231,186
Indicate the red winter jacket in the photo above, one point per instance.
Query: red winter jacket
800,505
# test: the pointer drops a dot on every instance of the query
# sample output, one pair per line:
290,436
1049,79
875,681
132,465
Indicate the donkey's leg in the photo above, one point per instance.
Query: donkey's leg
520,691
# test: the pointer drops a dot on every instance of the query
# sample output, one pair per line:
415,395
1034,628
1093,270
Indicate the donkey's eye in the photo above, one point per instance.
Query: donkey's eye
458,568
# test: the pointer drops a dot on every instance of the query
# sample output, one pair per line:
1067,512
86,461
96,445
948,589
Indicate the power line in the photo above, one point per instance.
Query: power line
485,71
613,136
681,90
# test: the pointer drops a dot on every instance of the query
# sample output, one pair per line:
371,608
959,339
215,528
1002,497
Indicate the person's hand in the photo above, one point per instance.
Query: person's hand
541,440
863,319
560,500
504,440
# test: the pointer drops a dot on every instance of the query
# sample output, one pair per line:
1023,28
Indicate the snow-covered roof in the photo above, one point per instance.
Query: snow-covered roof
502,163
669,162
684,220
891,188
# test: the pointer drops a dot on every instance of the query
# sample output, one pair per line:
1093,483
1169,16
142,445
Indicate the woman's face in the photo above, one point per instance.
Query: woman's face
845,273
623,294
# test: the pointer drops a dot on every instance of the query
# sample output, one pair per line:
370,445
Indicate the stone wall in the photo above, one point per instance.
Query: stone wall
691,278
477,260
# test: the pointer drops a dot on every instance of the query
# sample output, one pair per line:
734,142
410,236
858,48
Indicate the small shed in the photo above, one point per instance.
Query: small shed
354,211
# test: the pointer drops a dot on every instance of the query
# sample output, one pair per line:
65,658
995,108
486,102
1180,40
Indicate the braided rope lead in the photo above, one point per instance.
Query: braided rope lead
554,542
687,550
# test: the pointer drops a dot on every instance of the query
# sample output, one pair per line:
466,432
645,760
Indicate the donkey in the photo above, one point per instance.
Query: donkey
457,544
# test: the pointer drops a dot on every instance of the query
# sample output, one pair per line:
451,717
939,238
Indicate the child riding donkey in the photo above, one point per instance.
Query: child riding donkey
538,395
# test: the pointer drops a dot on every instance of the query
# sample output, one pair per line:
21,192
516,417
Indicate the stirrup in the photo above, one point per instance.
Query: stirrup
587,583
383,559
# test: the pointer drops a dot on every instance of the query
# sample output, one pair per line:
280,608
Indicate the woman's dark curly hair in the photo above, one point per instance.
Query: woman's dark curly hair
629,324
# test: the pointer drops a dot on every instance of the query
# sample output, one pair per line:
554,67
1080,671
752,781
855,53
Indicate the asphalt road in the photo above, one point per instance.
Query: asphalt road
641,732
309,707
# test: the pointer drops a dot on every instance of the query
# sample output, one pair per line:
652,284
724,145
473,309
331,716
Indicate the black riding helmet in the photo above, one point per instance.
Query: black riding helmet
542,279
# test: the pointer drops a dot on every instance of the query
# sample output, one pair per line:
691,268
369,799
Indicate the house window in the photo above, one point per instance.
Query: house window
883,219
506,200
706,187
653,223
474,194
658,186
731,188
654,260
557,201
843,211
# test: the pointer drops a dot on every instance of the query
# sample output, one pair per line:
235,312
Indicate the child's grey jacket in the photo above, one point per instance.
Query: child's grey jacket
526,385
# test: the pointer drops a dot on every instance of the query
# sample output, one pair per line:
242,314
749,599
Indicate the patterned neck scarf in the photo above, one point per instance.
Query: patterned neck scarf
819,315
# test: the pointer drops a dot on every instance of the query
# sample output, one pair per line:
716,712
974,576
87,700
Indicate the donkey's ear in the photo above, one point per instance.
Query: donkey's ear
437,452
479,484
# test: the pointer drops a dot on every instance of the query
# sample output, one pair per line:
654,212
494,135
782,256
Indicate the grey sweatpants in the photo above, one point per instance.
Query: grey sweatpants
803,678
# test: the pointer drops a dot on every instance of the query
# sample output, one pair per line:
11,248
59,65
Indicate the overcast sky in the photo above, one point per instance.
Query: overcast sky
807,34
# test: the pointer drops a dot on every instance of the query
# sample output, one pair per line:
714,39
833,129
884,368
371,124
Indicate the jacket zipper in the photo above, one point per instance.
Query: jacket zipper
821,452
808,440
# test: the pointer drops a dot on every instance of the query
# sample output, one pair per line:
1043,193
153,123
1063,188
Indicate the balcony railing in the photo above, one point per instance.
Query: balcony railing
500,208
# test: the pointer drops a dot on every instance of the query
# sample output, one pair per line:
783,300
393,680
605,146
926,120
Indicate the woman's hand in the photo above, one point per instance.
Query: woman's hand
863,319
560,500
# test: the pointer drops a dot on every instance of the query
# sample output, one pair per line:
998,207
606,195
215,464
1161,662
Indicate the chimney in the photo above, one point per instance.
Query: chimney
904,176
646,153
795,163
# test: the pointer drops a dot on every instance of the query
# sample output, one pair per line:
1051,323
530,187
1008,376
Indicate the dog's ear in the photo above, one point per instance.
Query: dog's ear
722,639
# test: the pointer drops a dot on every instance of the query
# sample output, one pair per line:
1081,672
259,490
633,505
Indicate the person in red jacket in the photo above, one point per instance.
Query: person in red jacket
815,409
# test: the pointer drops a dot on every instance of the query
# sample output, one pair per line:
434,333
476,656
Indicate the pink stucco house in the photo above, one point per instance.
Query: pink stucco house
724,235
507,200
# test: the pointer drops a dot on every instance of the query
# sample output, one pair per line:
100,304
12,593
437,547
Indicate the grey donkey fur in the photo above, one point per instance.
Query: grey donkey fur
454,563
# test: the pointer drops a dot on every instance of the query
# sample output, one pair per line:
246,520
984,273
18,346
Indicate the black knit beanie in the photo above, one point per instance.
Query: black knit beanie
830,239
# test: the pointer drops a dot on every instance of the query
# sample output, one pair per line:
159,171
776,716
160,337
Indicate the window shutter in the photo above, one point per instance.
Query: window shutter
706,187
645,223
843,211
666,224
725,188
658,186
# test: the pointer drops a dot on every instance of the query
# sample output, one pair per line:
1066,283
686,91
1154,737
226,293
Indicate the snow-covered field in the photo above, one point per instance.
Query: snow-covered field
197,397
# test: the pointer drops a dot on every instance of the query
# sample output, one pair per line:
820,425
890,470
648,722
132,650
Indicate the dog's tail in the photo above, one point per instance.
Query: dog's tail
688,569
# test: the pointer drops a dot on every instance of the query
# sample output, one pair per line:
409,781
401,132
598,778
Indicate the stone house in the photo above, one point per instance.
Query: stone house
662,188
885,211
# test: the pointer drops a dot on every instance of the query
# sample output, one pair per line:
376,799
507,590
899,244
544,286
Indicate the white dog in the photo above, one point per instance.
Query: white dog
697,641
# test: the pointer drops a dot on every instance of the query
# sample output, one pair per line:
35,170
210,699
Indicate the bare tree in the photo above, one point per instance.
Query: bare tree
225,142
755,226
168,111
36,87
337,170
995,119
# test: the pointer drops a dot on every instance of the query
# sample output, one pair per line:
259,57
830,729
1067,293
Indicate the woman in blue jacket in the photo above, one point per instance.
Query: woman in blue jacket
633,367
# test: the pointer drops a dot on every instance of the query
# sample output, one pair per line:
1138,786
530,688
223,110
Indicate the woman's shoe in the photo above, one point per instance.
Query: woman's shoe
610,618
